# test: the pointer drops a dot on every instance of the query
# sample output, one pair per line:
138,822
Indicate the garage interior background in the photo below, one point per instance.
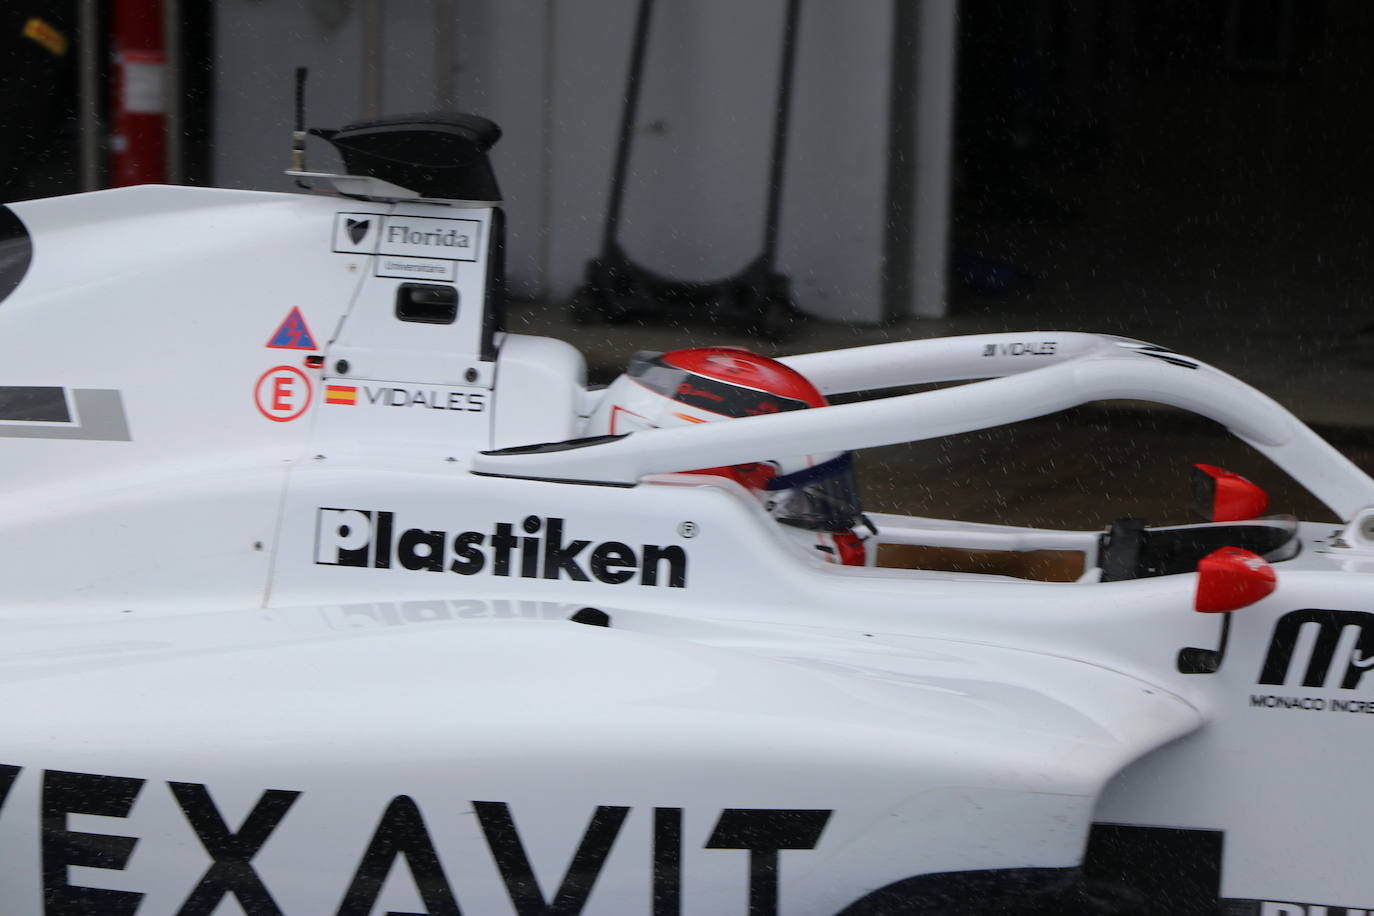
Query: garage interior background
1189,173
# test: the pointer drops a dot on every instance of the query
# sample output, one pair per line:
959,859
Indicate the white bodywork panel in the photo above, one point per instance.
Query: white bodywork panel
296,583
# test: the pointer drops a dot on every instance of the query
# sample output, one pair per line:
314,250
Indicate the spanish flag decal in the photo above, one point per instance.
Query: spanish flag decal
340,394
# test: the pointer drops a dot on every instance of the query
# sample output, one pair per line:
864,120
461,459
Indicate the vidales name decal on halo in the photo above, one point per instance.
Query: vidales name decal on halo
1318,648
401,832
368,538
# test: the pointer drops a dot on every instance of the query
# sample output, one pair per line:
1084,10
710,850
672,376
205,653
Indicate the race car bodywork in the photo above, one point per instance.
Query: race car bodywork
309,575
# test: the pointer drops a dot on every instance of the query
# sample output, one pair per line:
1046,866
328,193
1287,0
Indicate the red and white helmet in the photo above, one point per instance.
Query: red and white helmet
812,493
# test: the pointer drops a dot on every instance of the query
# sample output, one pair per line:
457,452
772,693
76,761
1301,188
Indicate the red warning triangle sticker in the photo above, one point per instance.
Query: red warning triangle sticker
292,334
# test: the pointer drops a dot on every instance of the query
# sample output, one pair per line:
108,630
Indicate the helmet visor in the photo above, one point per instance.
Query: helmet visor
824,497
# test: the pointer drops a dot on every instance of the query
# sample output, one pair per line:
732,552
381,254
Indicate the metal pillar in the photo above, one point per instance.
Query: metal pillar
173,124
937,46
372,58
88,94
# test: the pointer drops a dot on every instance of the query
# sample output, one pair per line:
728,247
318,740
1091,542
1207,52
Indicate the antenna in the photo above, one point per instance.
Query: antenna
298,135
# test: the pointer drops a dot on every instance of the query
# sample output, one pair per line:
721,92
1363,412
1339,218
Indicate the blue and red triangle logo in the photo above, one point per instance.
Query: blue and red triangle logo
293,334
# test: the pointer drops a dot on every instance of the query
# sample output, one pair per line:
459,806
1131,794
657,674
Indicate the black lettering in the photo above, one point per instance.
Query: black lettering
667,861
502,542
610,555
1330,624
677,565
455,400
509,854
476,403
432,558
372,394
399,397
382,550
469,559
401,832
1258,699
340,523
529,558
764,831
232,871
85,793
8,774
560,558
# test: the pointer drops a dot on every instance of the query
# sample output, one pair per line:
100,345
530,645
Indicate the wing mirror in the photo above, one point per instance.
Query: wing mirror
1227,579
1220,495
1231,578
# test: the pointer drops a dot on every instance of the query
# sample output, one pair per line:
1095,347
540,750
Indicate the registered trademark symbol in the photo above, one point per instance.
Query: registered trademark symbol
687,529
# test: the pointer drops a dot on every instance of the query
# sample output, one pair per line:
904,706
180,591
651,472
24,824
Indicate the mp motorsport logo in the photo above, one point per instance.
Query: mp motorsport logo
371,539
1323,649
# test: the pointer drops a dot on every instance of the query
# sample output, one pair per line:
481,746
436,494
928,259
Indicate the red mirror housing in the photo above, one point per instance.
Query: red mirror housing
1230,578
1222,496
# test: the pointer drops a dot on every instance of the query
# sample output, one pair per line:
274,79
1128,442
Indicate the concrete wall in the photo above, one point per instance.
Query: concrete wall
552,73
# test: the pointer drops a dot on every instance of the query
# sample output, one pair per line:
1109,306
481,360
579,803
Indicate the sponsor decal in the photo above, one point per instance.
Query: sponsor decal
401,831
410,245
424,268
282,393
430,237
1239,907
357,229
460,400
373,539
1318,648
1038,348
292,334
1350,631
341,394
54,412
356,233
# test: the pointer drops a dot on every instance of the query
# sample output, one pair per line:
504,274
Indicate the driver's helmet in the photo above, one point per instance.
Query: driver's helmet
815,494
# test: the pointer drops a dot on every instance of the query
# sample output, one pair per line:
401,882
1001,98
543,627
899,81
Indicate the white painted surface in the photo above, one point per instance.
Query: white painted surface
209,604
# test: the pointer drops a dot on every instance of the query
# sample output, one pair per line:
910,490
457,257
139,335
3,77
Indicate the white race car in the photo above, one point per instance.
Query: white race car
317,600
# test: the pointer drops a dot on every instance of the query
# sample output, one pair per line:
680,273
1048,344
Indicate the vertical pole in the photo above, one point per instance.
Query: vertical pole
445,54
628,114
88,92
777,157
173,128
936,55
372,58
